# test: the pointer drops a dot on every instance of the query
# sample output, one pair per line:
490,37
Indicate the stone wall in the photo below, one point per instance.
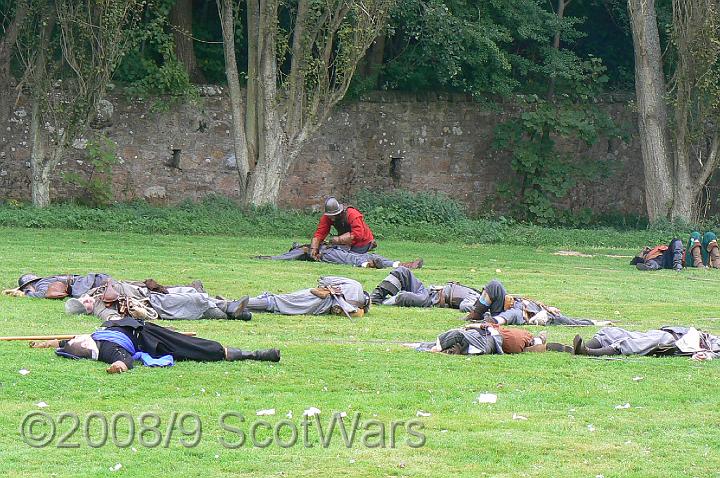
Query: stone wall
384,142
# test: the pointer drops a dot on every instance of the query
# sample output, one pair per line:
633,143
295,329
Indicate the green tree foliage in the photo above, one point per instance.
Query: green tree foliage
464,45
544,172
151,67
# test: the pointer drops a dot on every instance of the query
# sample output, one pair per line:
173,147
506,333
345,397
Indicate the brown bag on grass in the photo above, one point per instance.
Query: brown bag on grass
57,290
110,295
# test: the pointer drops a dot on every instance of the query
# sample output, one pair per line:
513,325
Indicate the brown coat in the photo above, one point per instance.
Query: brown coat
514,339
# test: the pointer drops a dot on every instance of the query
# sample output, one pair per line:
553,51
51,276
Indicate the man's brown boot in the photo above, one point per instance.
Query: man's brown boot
714,254
578,346
416,264
697,256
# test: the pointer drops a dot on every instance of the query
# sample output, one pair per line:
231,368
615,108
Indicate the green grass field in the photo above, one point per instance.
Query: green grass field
573,427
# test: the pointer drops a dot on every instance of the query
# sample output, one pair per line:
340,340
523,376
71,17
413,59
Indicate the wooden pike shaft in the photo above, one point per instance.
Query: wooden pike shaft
60,337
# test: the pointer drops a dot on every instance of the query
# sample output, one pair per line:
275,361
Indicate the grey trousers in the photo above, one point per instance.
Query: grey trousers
295,303
341,255
410,290
185,303
335,255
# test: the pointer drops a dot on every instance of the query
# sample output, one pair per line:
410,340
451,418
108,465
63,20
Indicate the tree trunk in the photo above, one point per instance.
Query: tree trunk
267,177
181,20
227,20
652,111
6,48
556,44
40,183
273,160
373,60
251,89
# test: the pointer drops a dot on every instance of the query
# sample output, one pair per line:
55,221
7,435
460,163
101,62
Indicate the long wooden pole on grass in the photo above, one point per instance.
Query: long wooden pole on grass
61,337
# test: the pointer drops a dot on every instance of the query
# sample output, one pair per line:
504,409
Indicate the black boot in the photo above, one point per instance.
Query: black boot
232,354
267,355
578,346
378,295
384,289
236,309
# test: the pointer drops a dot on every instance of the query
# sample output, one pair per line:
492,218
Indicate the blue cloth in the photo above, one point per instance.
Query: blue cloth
124,341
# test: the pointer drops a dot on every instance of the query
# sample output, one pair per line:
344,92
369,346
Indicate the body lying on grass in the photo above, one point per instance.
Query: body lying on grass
496,306
670,340
56,286
126,340
402,288
116,298
702,252
74,285
484,339
334,294
339,254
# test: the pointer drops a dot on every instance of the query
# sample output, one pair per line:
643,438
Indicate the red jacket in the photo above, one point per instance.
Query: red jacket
350,221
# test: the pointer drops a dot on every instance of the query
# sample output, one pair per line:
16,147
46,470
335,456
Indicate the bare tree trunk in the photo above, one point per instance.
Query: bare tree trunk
181,19
227,20
685,197
251,93
695,29
650,91
277,125
40,183
272,143
371,64
296,99
556,43
6,47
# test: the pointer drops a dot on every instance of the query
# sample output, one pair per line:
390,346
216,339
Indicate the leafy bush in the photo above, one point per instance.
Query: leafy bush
405,208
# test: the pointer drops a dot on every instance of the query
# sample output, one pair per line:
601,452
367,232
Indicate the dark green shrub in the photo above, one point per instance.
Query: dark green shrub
404,208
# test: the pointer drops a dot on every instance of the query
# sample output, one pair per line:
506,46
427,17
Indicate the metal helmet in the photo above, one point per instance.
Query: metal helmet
26,279
333,207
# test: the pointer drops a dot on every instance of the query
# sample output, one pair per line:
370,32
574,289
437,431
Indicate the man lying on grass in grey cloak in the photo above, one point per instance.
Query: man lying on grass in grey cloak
402,288
333,294
56,286
484,339
339,254
669,340
496,306
154,301
75,285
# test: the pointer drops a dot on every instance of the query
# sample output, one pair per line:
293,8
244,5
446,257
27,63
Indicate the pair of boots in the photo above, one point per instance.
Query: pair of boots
266,355
236,309
592,348
713,250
